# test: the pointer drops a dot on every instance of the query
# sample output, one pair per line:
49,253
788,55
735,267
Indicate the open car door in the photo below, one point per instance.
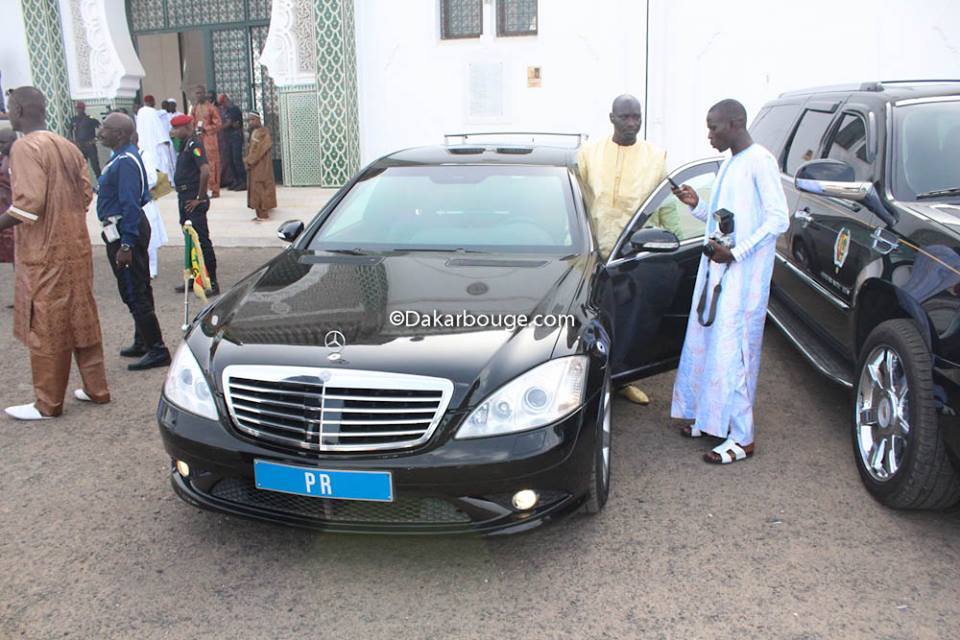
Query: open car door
649,285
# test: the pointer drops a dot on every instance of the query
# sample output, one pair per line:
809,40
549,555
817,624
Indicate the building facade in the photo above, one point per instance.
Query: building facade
341,82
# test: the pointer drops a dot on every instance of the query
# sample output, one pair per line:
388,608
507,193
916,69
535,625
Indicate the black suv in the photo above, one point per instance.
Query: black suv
867,280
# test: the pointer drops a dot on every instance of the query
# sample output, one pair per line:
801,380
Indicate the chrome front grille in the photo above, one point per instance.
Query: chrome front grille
316,409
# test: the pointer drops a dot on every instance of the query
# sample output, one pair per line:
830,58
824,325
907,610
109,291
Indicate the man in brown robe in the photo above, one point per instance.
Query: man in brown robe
207,118
55,314
261,188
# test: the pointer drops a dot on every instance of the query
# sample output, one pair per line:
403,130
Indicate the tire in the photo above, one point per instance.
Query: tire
600,468
897,444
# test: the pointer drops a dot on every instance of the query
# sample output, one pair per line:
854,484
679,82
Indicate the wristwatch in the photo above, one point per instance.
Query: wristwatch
124,247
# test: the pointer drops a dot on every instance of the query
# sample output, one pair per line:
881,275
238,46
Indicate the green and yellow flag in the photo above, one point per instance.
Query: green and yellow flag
194,270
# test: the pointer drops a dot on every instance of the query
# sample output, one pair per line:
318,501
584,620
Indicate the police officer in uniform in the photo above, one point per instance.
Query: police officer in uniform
191,176
123,190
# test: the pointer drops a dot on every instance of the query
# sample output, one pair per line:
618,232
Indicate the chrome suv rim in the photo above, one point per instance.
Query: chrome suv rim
605,437
882,418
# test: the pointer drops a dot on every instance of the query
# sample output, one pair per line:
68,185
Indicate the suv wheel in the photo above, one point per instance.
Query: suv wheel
600,470
896,439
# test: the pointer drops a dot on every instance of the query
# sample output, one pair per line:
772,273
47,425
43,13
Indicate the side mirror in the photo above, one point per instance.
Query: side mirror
836,179
290,230
831,178
653,241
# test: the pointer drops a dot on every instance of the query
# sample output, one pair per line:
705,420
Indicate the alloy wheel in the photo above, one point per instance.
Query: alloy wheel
605,438
882,413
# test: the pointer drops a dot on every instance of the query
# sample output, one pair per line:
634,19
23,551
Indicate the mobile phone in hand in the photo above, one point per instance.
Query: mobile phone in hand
672,183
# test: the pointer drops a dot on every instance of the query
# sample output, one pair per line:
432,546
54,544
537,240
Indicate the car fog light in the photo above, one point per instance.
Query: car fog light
183,468
525,500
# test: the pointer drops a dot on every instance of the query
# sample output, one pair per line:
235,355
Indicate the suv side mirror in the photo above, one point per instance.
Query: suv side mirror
835,179
290,230
654,241
832,178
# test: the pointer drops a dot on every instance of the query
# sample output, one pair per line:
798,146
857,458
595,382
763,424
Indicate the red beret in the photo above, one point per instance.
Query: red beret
181,120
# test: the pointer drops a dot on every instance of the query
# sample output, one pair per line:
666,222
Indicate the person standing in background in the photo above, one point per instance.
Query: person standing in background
233,132
193,174
261,187
158,231
83,130
206,118
153,139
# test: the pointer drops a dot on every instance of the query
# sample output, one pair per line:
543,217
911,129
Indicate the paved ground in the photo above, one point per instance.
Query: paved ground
788,545
230,220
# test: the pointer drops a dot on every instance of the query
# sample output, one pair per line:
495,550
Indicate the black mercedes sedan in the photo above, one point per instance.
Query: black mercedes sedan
434,352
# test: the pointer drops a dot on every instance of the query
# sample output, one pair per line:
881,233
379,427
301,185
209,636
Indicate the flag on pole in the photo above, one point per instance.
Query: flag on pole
194,271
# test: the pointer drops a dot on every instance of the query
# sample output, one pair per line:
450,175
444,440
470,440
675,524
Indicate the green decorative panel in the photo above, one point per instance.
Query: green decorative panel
177,15
300,136
461,19
260,9
337,92
516,17
192,13
231,65
48,64
146,15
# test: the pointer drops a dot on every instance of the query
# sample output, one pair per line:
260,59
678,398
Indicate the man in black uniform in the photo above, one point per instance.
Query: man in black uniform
233,132
123,192
191,178
83,130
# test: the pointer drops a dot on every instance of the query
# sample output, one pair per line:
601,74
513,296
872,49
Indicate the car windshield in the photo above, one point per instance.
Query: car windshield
927,151
450,207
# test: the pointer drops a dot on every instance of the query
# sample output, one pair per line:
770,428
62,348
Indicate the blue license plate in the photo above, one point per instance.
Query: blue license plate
374,486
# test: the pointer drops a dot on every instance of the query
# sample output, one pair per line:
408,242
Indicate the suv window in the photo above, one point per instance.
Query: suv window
772,125
849,144
806,139
926,152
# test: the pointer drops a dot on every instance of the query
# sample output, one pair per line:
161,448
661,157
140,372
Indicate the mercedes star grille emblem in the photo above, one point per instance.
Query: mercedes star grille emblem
334,340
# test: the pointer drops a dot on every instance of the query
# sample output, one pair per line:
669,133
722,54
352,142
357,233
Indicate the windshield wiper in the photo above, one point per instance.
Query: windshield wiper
350,252
437,250
953,191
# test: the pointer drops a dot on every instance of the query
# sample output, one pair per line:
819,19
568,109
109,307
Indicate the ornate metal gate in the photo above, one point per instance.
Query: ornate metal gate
234,33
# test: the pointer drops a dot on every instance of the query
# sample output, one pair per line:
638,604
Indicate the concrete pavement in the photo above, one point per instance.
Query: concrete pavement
230,219
93,543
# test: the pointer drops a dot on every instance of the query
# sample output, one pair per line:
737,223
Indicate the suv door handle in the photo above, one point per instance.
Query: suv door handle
803,215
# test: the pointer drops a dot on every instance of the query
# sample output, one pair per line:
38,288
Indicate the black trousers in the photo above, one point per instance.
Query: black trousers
198,217
133,283
235,158
90,153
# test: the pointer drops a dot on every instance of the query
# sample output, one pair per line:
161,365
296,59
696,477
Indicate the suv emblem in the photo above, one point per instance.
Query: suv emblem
841,248
334,340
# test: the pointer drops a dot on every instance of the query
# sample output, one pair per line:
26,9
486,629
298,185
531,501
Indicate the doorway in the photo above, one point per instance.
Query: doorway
216,43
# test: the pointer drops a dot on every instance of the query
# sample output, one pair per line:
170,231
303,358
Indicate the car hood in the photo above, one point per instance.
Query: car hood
285,313
942,213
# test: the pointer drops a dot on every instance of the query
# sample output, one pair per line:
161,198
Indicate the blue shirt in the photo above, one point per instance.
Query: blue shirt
124,191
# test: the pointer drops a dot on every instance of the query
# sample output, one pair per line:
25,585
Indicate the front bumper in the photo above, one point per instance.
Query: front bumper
448,487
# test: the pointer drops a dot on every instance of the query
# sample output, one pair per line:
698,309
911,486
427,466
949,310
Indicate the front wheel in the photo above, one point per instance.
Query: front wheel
896,438
600,469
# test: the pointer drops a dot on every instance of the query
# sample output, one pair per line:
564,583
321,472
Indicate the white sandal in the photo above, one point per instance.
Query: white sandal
728,451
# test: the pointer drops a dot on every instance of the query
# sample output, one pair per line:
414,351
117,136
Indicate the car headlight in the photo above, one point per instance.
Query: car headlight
187,387
540,396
